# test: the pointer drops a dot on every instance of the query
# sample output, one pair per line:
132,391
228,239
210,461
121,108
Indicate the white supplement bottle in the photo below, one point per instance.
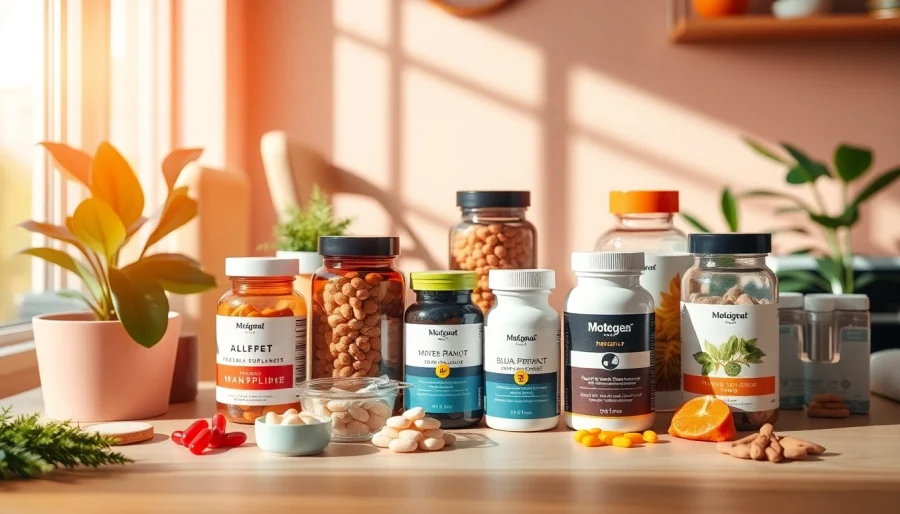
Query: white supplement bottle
521,352
609,337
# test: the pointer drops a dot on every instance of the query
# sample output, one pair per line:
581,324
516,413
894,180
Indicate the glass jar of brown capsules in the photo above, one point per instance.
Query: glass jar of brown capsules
492,234
729,328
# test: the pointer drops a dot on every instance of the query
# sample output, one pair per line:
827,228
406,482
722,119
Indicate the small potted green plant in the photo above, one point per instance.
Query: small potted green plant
298,236
115,361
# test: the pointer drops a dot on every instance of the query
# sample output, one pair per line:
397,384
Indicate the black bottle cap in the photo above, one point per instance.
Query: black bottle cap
351,246
730,243
486,199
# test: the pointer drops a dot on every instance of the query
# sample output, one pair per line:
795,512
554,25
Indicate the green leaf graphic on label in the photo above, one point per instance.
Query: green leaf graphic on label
711,350
732,369
703,359
706,369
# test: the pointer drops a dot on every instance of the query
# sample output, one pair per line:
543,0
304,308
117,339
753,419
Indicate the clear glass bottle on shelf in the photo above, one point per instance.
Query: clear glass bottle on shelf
493,233
729,326
644,223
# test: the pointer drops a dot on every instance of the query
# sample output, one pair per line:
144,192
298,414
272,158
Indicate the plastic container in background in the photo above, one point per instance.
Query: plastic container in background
493,233
358,303
644,223
521,347
608,326
444,362
358,407
260,338
848,376
819,342
791,321
729,326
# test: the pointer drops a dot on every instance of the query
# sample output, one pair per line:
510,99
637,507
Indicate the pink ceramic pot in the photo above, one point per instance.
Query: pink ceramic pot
93,371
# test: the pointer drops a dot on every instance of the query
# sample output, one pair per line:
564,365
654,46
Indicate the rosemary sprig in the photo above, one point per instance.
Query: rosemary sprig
29,449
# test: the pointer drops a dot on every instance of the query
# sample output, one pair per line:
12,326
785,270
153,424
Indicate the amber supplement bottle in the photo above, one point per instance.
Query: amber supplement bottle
260,339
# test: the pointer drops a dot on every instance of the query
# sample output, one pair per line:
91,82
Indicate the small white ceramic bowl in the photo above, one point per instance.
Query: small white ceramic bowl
292,440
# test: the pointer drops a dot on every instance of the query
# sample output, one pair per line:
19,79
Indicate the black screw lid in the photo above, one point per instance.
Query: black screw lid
477,199
351,246
730,243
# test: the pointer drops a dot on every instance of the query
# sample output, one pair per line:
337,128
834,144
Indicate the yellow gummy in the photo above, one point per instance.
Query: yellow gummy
591,441
580,435
635,437
622,442
595,431
651,437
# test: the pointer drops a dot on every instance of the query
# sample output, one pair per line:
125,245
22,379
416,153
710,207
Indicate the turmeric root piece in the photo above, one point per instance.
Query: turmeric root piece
773,455
758,447
741,451
811,448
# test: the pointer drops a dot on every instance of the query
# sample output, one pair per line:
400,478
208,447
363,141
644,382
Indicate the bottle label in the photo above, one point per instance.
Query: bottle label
609,364
731,351
259,361
444,365
662,278
790,368
521,368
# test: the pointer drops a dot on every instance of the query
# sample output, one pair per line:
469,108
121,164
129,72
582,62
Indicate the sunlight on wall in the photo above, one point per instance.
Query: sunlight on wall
456,139
370,19
474,53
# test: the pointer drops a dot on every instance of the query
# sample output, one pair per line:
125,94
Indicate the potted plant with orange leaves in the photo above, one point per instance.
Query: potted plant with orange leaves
115,361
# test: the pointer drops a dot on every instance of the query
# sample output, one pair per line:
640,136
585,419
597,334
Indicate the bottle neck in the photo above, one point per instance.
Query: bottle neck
357,262
272,286
493,213
453,297
645,221
609,279
744,261
532,298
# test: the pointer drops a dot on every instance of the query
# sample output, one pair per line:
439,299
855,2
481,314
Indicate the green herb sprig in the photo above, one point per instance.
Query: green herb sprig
301,231
29,449
731,355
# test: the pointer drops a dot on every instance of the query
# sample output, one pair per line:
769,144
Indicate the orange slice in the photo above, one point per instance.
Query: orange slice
703,419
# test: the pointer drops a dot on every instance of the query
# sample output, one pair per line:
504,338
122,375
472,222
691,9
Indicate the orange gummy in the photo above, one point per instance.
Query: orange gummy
706,418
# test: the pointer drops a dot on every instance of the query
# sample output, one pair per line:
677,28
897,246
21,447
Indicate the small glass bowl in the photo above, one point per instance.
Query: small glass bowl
358,407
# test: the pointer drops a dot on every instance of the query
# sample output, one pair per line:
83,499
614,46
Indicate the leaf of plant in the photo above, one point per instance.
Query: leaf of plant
694,222
65,261
711,350
72,162
864,280
175,162
805,278
703,358
798,175
876,185
762,150
813,169
175,273
133,229
114,182
76,295
791,209
98,227
832,270
789,230
729,209
52,231
179,210
798,202
851,162
141,305
847,219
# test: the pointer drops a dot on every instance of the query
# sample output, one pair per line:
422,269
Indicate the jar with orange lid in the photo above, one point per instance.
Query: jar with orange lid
644,223
492,234
357,311
260,339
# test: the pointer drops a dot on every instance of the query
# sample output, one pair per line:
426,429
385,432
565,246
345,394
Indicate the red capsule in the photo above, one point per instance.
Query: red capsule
218,423
217,440
233,439
191,432
178,437
201,442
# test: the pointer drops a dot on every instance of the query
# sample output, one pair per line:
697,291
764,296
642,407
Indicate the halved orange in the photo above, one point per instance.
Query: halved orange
704,419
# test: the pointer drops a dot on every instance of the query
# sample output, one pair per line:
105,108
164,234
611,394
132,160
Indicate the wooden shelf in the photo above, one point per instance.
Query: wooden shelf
768,28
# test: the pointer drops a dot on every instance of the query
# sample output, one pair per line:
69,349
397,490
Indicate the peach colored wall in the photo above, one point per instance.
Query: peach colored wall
567,99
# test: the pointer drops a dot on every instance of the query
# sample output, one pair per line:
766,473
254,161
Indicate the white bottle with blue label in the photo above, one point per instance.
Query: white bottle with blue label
521,354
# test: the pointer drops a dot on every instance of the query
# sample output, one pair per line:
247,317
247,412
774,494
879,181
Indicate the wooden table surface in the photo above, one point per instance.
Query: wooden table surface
487,470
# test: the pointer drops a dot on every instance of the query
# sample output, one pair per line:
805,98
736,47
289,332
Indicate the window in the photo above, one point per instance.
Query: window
21,112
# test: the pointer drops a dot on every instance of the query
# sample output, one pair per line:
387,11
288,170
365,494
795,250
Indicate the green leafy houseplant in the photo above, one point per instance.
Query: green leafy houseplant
134,294
301,231
850,165
29,449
